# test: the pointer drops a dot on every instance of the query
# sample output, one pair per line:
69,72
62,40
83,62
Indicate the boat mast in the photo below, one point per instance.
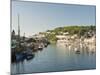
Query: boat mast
18,32
18,27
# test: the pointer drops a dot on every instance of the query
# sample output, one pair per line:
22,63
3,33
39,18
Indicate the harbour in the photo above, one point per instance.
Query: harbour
52,38
55,58
53,51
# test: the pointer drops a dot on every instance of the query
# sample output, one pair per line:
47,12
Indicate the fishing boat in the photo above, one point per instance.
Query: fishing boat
29,56
40,47
77,51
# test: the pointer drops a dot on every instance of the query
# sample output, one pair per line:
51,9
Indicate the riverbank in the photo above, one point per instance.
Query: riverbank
76,43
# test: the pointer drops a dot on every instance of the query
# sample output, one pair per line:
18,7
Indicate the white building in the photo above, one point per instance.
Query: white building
62,40
39,36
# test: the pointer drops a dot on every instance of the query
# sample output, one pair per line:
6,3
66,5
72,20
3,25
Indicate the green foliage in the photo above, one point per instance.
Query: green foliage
51,37
79,30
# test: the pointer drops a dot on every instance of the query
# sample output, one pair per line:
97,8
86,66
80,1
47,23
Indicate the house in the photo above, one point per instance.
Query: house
62,40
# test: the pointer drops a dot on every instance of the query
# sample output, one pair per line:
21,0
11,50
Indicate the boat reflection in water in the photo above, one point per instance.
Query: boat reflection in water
20,60
54,58
19,57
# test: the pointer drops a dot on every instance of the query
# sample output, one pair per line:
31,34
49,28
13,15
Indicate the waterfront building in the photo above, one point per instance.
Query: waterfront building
62,40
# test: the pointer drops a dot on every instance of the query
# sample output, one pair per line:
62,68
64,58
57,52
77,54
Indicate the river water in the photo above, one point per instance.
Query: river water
55,58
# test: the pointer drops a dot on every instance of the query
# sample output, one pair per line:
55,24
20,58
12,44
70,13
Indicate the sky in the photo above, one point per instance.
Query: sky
37,17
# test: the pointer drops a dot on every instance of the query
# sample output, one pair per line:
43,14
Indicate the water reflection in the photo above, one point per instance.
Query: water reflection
19,66
54,58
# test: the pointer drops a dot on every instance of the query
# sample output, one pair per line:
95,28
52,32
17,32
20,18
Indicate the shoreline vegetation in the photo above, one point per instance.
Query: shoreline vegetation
72,37
78,38
80,31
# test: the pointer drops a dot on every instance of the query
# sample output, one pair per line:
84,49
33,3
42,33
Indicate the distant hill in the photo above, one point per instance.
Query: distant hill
79,30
